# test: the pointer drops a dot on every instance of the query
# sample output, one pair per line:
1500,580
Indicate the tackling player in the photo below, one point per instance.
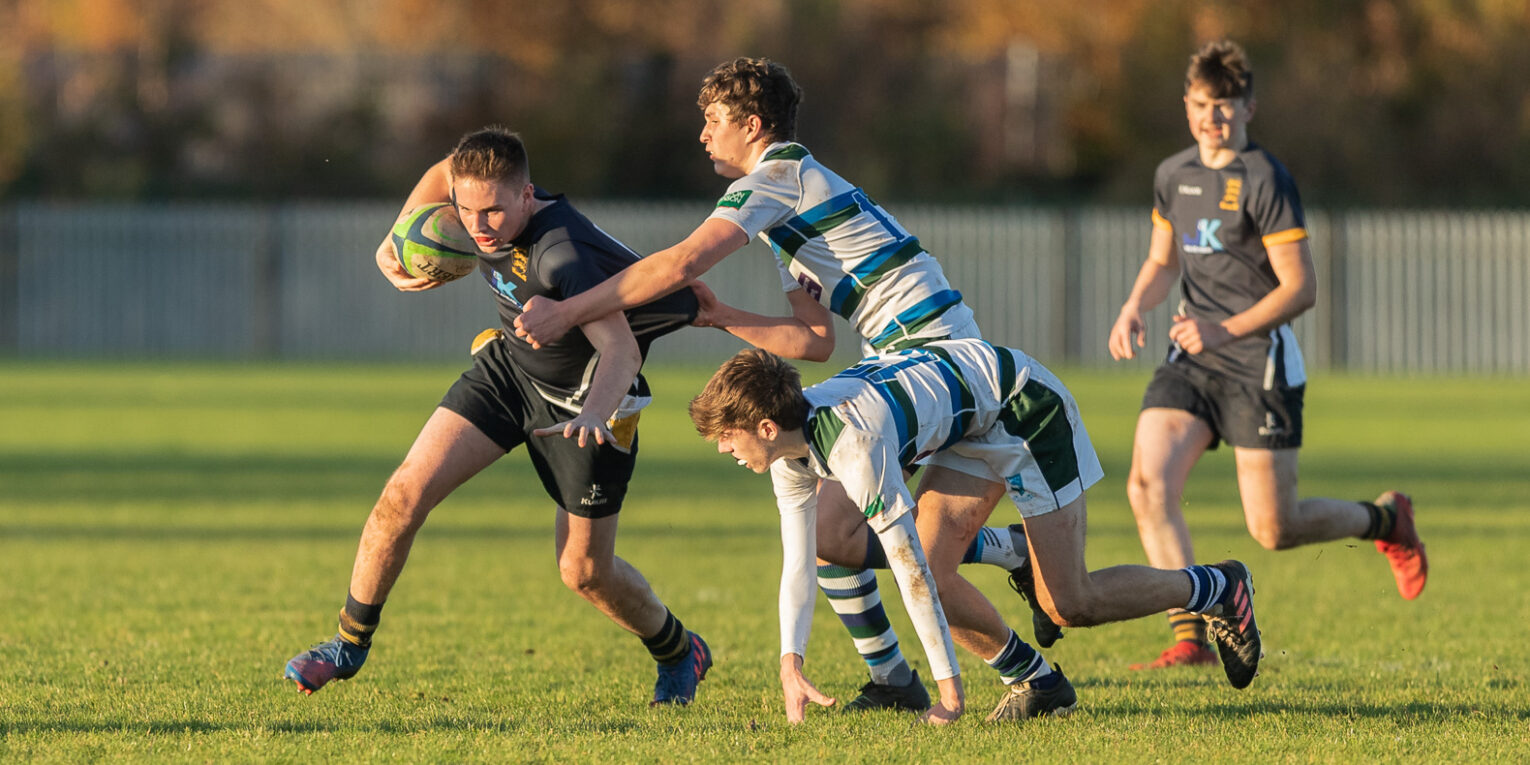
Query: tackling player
1228,222
573,404
839,252
987,412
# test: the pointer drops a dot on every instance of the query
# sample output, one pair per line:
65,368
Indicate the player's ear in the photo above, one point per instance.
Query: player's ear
1252,102
768,429
755,126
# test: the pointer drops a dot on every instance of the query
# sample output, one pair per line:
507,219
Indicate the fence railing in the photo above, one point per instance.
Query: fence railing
1400,291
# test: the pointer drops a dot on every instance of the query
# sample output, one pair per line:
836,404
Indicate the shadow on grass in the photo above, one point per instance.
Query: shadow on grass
1415,711
487,723
193,533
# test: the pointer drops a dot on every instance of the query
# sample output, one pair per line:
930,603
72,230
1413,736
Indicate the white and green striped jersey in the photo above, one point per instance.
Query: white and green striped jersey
851,255
891,411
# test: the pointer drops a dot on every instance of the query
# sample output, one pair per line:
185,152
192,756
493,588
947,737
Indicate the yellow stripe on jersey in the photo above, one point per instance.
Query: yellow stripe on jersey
1161,222
1283,237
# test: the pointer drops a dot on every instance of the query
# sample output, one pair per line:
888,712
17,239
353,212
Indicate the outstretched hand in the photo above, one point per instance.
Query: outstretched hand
542,321
797,690
583,427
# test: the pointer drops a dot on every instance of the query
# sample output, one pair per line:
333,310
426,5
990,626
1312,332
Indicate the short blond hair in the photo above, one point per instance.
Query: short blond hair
747,389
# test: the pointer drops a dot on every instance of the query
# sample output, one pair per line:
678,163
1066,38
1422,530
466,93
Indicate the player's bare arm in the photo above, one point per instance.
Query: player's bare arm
619,363
545,320
1296,293
1151,288
807,334
433,187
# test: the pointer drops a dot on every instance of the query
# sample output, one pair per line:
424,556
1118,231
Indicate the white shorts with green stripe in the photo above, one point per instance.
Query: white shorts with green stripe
1044,461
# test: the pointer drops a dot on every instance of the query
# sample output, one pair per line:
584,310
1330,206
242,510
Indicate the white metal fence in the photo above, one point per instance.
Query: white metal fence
1401,291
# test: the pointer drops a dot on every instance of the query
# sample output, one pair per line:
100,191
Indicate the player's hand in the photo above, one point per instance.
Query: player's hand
541,321
584,427
707,305
952,703
1128,329
387,263
1198,335
798,690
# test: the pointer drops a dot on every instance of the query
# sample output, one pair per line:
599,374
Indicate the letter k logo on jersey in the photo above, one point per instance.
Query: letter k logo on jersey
1207,227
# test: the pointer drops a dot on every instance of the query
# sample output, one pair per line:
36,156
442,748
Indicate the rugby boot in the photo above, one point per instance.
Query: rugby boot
677,682
906,698
333,659
1404,551
1231,624
1184,653
1023,582
1050,696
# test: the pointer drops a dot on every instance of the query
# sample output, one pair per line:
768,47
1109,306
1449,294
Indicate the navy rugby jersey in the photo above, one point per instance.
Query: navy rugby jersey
561,253
1222,221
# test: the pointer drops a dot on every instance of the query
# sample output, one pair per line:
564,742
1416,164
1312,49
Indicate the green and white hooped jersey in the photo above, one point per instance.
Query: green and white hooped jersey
851,255
952,398
966,405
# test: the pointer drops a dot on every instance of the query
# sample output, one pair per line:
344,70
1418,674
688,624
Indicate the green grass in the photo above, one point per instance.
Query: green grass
171,534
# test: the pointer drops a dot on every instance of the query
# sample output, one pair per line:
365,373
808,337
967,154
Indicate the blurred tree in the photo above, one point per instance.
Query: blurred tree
1374,101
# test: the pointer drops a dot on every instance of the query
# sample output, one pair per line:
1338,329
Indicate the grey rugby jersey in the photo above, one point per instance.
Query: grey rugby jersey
1222,222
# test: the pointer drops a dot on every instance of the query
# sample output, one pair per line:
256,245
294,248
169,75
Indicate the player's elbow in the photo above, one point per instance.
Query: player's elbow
819,350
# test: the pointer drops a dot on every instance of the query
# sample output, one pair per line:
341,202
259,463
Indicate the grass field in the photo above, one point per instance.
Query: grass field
171,534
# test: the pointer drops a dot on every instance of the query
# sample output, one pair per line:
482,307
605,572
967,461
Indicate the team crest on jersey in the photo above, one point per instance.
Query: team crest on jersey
1230,194
735,200
518,260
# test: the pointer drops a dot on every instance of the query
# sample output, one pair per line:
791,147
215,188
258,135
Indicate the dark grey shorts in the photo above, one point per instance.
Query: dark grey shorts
1242,414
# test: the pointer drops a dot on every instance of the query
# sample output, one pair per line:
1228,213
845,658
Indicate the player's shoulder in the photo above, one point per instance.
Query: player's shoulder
1260,164
1188,157
780,166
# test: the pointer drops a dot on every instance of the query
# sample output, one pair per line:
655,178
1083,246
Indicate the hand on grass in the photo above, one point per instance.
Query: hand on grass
798,690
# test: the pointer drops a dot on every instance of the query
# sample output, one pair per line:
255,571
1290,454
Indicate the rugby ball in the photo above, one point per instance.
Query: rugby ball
430,242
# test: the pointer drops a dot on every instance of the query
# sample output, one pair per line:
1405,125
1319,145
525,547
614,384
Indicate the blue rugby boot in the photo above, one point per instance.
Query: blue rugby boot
677,682
333,659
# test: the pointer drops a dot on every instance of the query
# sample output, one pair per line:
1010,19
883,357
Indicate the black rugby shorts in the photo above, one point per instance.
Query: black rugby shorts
499,400
1242,414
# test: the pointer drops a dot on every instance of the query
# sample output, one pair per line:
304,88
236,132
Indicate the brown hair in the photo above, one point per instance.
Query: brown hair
752,386
491,154
1222,66
755,86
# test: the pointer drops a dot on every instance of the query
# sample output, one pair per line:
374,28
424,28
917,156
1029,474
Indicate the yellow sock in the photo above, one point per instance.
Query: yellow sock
1187,625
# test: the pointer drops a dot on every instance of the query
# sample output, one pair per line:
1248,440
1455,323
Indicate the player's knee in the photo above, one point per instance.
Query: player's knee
401,505
1272,536
1147,493
580,574
1071,611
